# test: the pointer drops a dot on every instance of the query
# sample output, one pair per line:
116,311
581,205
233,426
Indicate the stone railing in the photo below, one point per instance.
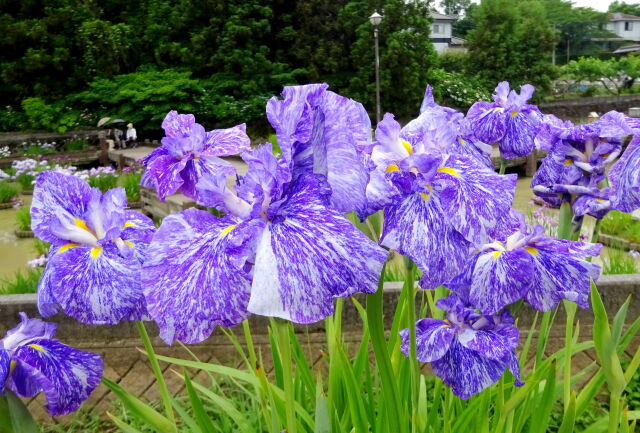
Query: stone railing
125,364
579,108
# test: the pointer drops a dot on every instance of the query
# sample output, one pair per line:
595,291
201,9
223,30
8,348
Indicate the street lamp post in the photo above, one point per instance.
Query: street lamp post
375,20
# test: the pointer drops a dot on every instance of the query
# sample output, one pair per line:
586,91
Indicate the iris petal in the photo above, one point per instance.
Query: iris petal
500,279
95,287
58,200
194,277
466,371
309,255
433,339
418,228
66,375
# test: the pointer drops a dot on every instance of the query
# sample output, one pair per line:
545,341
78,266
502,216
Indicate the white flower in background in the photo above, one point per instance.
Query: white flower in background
38,262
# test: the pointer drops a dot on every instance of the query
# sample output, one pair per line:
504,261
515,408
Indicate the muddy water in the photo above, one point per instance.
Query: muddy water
14,252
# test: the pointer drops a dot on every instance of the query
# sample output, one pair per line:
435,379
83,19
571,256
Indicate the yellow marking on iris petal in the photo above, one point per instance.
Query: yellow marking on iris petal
407,146
128,224
37,347
446,325
425,196
392,167
129,244
449,170
605,155
227,230
66,247
514,113
496,254
95,253
568,161
532,250
196,158
461,141
12,366
80,223
599,200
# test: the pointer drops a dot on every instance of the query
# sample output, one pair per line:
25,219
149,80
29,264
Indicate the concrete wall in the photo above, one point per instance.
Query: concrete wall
580,108
125,364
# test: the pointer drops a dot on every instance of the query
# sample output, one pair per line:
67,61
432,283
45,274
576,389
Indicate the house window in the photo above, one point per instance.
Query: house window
628,26
436,28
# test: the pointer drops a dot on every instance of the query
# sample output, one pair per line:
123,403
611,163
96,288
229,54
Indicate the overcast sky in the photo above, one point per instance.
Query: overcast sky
600,5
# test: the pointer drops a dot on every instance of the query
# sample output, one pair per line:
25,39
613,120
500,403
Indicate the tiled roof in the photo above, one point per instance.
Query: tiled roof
443,17
619,16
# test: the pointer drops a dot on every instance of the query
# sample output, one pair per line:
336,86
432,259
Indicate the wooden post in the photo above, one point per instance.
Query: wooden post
531,164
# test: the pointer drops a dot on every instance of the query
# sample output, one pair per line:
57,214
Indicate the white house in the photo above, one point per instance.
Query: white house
441,33
626,26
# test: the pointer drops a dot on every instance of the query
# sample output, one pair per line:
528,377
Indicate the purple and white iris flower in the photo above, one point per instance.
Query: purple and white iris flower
625,179
577,159
321,132
436,204
32,361
97,250
469,351
509,120
448,130
527,265
280,250
188,152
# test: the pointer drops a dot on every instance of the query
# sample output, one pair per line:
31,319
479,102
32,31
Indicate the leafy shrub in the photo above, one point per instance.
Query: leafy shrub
131,184
12,119
7,192
53,117
23,218
20,283
454,61
104,182
26,181
461,90
142,97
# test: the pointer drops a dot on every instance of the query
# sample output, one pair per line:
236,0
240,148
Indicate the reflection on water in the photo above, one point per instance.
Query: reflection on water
14,252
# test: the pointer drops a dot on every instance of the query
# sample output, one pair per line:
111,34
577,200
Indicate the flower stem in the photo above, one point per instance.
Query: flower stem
155,367
375,322
566,218
409,286
284,343
570,308
503,165
614,412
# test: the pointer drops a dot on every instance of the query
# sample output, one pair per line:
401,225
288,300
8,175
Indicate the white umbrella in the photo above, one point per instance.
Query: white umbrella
103,121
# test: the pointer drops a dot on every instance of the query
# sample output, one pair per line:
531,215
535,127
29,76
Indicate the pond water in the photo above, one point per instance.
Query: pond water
14,252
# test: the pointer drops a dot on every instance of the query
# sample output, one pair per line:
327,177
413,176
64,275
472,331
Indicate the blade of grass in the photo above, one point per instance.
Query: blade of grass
155,367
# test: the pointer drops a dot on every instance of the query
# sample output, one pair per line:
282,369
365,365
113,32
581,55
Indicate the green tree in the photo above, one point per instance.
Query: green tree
512,41
625,8
406,54
576,28
614,75
463,26
455,7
